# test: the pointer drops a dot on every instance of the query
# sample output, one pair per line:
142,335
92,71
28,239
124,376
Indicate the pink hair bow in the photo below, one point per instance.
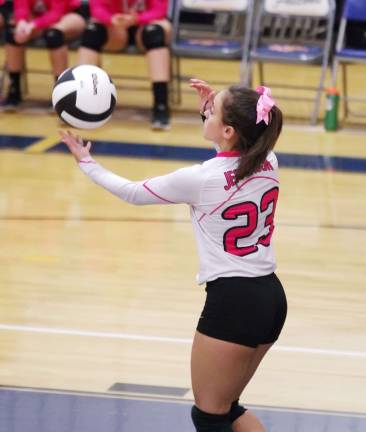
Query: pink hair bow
265,104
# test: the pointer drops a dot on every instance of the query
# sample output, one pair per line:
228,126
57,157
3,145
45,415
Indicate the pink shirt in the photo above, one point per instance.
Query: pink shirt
103,10
44,13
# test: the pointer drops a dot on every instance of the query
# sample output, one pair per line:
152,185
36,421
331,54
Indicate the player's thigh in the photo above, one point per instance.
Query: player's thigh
72,25
258,355
219,372
117,39
165,24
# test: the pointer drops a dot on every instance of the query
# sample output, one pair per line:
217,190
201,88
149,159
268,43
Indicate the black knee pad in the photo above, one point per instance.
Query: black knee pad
205,422
94,36
9,35
236,411
54,38
153,36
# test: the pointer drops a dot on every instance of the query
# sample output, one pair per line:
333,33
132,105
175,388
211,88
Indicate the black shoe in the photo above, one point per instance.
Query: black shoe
12,101
160,118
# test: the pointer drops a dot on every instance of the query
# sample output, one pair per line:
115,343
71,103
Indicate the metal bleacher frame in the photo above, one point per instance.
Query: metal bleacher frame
294,33
226,37
344,55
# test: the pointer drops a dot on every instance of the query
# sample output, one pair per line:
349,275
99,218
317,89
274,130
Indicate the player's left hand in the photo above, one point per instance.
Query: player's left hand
76,145
23,31
205,92
124,21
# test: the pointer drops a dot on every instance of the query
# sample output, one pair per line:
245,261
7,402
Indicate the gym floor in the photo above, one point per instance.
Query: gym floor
96,330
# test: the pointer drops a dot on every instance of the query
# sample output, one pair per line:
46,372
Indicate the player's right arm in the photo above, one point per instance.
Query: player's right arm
181,186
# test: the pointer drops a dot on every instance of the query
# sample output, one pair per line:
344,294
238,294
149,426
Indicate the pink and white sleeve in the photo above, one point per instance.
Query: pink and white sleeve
181,186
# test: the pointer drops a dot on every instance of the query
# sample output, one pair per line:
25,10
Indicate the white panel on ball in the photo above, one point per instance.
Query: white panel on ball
94,89
84,97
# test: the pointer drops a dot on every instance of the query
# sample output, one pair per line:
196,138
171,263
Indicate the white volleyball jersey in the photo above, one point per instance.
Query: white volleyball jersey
233,222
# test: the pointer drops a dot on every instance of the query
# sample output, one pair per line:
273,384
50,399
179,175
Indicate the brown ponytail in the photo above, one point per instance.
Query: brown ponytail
255,141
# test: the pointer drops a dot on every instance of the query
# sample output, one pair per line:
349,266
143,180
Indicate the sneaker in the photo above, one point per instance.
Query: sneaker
12,101
160,118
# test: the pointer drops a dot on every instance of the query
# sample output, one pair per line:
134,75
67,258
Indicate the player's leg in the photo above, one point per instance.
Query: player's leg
247,421
69,27
154,39
14,59
275,314
219,370
231,340
96,38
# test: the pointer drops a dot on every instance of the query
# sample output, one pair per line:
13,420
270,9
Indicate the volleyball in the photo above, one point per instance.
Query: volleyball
84,97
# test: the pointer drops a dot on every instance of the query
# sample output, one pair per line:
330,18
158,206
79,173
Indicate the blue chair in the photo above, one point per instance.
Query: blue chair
293,33
353,10
212,29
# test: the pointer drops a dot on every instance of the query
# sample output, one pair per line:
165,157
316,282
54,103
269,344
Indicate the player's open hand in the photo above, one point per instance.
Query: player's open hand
205,92
23,31
76,145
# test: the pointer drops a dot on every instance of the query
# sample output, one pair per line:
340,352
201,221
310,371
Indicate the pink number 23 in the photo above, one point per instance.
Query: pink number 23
251,211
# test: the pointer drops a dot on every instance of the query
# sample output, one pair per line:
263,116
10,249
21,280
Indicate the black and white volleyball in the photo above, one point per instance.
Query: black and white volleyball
84,97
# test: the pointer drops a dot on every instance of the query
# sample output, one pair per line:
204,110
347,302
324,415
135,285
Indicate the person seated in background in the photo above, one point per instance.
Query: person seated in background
57,21
115,24
6,9
2,13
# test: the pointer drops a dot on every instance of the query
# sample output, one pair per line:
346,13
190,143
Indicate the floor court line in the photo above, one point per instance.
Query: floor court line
146,338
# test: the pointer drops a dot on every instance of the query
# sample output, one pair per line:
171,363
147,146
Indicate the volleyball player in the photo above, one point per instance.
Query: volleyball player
3,12
232,200
57,21
115,24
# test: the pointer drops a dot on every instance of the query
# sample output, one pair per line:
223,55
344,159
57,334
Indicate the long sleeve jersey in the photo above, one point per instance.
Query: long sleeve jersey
44,13
233,221
147,11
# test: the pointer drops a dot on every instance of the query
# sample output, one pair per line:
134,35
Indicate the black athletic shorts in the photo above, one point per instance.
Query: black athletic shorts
244,310
83,11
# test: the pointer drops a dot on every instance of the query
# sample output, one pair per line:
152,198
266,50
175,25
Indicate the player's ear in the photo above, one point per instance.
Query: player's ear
229,132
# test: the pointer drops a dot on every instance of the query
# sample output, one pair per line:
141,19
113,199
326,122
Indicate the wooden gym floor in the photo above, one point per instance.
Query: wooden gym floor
98,298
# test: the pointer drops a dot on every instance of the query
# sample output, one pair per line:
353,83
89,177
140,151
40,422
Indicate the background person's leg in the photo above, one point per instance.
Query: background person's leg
154,38
70,26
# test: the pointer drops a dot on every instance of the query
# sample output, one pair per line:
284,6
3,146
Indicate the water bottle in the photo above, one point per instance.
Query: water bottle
331,113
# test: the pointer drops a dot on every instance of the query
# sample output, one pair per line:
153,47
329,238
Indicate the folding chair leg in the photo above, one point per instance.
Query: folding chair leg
319,91
245,72
345,90
335,72
24,77
176,78
261,73
2,79
246,75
